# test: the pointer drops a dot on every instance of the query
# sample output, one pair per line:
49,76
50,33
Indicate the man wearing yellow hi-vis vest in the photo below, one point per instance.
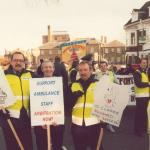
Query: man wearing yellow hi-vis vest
18,79
142,95
85,127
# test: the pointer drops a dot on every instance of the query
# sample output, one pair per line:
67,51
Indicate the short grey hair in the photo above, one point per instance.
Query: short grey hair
86,62
47,61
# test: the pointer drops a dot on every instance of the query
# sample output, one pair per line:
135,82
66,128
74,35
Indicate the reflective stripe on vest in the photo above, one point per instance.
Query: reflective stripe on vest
142,92
88,98
15,84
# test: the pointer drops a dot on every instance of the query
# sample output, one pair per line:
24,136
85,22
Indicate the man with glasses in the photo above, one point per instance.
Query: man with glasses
18,79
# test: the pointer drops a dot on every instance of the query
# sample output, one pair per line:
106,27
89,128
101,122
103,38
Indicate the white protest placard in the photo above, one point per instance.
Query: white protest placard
127,80
110,100
6,95
46,101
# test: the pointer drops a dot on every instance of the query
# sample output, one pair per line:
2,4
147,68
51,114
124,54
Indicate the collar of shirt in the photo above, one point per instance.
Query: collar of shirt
105,73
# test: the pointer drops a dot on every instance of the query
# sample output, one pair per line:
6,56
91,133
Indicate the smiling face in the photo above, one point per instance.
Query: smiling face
103,67
18,62
47,69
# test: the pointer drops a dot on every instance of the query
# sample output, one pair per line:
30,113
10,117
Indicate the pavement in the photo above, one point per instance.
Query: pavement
123,139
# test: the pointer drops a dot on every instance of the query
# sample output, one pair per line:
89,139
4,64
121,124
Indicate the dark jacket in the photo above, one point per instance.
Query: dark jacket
138,79
60,71
73,74
85,84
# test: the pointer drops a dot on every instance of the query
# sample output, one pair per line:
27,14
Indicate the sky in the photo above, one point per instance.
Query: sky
23,22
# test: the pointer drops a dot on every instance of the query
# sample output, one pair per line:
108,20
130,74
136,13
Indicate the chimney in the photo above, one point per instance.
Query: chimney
105,40
44,39
49,33
101,39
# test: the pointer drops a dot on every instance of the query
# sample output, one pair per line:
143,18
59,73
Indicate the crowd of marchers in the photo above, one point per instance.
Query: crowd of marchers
79,82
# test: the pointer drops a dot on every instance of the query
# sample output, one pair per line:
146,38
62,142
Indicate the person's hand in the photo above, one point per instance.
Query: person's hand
78,93
2,108
54,124
44,127
103,124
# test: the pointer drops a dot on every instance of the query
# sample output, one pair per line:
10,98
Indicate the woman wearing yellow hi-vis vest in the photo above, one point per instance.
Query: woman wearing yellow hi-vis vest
142,95
85,128
18,113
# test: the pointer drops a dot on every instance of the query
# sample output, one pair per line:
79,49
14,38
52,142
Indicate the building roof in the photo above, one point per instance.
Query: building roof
50,45
92,41
89,40
60,33
136,9
143,13
114,43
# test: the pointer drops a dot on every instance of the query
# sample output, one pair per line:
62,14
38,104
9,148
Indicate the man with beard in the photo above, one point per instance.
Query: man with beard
85,127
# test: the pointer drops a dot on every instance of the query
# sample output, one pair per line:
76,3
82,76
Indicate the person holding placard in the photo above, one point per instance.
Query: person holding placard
103,66
18,112
56,131
85,127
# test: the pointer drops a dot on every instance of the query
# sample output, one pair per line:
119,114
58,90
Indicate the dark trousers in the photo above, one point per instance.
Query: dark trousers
85,136
24,135
141,117
56,137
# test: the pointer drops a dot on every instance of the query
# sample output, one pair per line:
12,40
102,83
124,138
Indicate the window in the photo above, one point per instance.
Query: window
132,38
113,50
55,38
118,59
59,51
122,50
106,50
50,52
135,15
141,36
112,59
123,58
92,50
118,50
42,52
149,11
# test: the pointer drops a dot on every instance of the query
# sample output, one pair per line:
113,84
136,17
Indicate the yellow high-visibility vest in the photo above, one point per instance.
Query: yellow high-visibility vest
20,89
142,92
99,75
83,106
